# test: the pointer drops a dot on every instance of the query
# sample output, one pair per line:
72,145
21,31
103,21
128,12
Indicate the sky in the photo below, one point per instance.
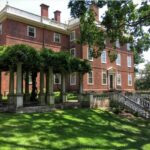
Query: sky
33,6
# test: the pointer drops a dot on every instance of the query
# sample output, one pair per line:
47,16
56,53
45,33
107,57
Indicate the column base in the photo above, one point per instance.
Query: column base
50,99
19,100
42,99
64,97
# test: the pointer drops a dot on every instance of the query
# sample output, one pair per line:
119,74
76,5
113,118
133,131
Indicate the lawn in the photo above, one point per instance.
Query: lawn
78,129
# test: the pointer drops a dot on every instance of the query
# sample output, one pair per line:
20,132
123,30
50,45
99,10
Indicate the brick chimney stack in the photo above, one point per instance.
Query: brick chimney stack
44,10
96,11
57,16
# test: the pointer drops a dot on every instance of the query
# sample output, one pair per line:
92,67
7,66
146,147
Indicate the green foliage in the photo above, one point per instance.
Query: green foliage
112,55
123,20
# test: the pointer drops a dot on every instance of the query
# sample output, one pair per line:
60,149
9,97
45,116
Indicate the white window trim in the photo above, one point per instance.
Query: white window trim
74,49
106,78
118,62
119,74
34,31
59,37
1,28
75,79
128,80
88,55
104,62
74,36
129,58
92,79
59,79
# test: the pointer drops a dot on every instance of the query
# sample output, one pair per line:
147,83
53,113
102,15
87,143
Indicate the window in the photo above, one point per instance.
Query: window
104,77
128,46
129,80
89,54
73,52
73,79
31,31
103,57
57,78
129,61
118,60
90,77
117,44
0,28
118,79
72,36
57,38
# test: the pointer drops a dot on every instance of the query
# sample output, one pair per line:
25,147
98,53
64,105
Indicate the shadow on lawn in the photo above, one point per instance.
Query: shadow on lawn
73,129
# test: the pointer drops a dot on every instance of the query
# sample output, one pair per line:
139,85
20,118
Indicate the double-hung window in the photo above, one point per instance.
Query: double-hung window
90,78
129,80
118,60
104,77
57,38
31,31
103,57
118,79
129,61
72,36
89,54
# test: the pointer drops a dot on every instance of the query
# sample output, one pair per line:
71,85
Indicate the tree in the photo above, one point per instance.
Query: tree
143,83
123,20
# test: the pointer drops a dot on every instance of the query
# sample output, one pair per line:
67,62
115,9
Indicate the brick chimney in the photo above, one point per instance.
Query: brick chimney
96,11
44,10
57,16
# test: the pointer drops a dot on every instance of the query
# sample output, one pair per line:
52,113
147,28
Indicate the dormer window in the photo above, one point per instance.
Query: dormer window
117,44
31,31
0,28
72,36
57,38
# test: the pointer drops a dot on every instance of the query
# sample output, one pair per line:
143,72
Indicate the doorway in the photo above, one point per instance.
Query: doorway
111,81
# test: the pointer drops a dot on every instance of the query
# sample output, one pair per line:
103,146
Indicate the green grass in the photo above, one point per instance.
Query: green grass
78,129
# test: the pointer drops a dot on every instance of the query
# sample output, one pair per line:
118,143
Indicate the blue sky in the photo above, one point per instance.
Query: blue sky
34,7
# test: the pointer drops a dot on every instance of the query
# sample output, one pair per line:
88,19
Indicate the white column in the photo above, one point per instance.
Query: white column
63,82
80,96
42,95
19,95
50,95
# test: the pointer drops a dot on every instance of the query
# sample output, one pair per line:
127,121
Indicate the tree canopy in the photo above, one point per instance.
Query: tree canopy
122,20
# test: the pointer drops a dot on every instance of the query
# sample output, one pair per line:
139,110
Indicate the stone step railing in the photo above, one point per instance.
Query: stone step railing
136,104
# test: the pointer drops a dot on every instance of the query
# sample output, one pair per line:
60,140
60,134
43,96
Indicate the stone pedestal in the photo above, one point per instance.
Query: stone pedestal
19,100
42,98
50,99
64,97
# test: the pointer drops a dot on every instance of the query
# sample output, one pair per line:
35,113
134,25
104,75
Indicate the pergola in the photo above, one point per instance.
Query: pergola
24,59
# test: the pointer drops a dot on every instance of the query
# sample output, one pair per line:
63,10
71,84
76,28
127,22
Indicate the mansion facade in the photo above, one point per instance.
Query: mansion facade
21,27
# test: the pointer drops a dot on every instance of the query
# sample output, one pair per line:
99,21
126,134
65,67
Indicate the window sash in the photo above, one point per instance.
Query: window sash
90,77
129,80
72,36
118,60
103,57
73,79
57,38
104,78
73,51
118,79
129,61
31,31
90,50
